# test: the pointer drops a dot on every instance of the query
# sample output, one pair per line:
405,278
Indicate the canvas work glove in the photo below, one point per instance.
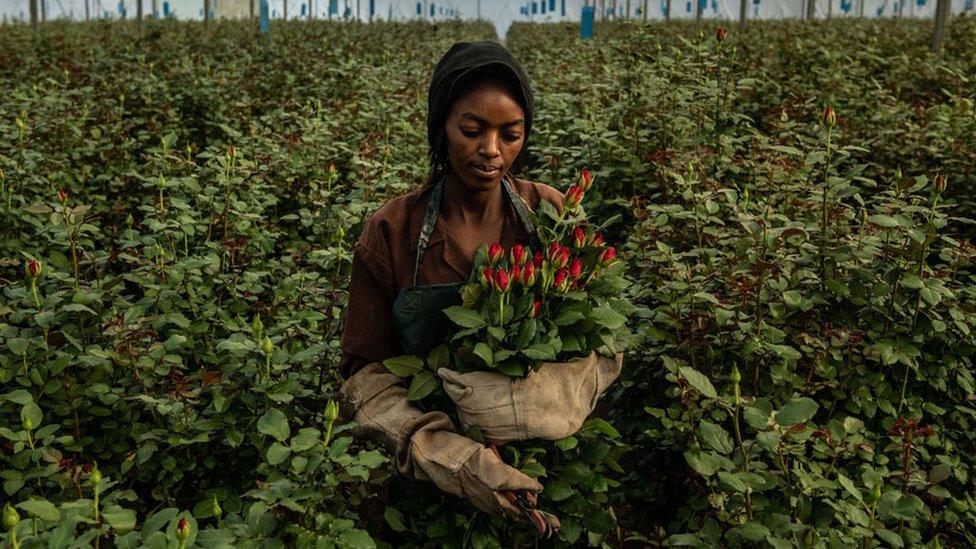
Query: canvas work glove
550,403
426,445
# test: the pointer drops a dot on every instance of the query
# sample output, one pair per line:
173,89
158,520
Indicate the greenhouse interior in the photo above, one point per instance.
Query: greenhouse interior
711,265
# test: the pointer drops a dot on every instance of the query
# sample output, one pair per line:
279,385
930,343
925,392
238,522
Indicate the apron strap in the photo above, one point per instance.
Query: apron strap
430,219
434,206
522,211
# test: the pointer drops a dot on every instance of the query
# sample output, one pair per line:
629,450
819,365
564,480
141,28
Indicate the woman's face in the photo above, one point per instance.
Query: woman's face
485,133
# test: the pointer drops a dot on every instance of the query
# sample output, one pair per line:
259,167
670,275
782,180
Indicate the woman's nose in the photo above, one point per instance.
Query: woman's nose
489,146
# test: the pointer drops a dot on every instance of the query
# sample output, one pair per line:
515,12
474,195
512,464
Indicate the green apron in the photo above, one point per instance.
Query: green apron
418,315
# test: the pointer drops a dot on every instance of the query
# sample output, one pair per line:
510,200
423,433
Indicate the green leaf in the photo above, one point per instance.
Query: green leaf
798,410
274,423
891,538
930,296
439,357
883,220
753,531
558,490
41,508
483,351
900,506
157,520
540,351
395,519
19,396
792,298
684,540
404,366
422,385
370,458
605,316
277,453
732,481
716,437
698,380
122,520
599,521
31,411
848,485
306,438
465,318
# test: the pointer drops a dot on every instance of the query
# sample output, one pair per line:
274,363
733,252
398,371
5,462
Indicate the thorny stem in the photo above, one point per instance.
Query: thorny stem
742,448
823,226
37,300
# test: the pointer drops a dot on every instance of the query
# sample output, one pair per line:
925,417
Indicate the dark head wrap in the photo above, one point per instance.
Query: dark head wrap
462,65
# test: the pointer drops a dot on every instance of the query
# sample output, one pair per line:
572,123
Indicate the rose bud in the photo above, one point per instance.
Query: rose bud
537,260
518,255
563,258
576,268
574,196
720,34
33,268
560,280
487,277
62,196
585,181
597,240
501,280
515,274
331,410
10,516
267,346
95,476
553,251
495,253
941,182
183,529
829,116
215,509
528,275
579,237
608,256
536,305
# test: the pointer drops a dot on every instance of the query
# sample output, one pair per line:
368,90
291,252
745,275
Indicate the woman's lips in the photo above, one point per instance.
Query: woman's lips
485,171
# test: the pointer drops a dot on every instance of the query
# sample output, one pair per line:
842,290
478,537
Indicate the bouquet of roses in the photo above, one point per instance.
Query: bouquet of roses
522,307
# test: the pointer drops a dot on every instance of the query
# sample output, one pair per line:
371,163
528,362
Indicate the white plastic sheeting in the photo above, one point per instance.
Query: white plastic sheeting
501,12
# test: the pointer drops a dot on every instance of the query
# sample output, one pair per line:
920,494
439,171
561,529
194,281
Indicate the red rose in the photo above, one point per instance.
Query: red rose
487,277
528,275
608,256
495,253
536,305
574,196
579,237
585,181
720,34
518,254
501,280
576,268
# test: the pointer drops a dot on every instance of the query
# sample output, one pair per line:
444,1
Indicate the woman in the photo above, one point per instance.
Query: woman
414,253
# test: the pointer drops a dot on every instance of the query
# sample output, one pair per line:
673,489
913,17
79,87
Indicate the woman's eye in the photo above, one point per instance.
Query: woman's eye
512,137
470,133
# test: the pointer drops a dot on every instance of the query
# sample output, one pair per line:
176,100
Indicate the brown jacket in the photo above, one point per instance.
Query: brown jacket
383,262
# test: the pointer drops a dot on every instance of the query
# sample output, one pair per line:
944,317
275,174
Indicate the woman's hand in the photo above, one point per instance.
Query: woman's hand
551,403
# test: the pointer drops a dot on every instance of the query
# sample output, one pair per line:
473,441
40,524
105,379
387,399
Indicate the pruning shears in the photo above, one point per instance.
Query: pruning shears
526,503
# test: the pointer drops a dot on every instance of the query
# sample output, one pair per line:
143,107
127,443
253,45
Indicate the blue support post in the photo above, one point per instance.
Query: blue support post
586,22
263,18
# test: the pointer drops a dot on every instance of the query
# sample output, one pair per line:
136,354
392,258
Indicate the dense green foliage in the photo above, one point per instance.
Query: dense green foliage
806,295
